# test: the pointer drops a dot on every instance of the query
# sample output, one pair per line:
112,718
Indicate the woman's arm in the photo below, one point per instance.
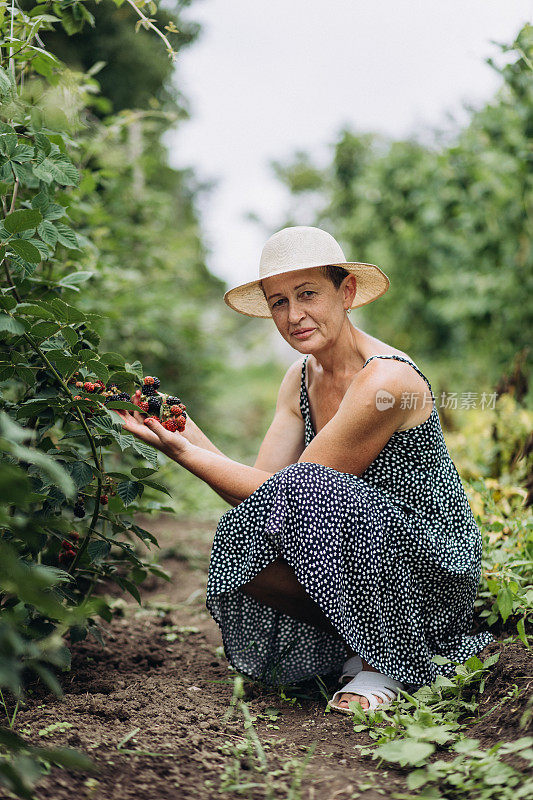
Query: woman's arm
360,429
233,481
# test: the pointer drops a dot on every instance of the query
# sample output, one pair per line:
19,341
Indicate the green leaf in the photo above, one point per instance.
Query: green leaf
128,491
34,310
112,358
70,336
80,472
42,330
67,237
10,325
65,364
98,550
406,751
147,451
42,141
520,627
25,249
48,233
131,588
135,368
504,602
71,281
157,486
98,369
142,472
22,220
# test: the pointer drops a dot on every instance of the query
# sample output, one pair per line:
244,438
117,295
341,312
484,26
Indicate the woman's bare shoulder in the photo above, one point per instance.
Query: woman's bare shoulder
289,390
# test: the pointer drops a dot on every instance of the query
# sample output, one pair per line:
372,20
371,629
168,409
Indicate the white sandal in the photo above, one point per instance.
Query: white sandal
370,685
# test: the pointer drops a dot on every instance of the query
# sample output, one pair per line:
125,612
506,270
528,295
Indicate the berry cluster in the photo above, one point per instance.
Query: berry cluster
68,550
169,410
103,393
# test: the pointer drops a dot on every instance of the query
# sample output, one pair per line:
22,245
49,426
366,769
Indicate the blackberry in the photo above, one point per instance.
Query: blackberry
173,401
154,405
79,510
112,398
149,391
123,396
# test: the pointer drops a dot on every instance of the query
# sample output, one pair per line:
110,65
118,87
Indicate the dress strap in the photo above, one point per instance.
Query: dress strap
304,399
407,361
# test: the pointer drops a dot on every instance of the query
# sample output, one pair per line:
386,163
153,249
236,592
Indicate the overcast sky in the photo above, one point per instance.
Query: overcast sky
268,77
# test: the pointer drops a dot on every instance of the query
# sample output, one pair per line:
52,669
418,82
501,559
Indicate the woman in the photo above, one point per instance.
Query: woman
351,536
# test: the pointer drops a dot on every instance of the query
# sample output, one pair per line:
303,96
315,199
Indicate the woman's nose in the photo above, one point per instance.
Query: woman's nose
296,313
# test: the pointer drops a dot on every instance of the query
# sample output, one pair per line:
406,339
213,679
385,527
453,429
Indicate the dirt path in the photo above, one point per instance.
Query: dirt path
162,676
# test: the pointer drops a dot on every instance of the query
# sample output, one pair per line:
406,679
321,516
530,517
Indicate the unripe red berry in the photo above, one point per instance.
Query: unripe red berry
171,424
148,381
144,407
104,499
79,384
181,423
176,410
78,397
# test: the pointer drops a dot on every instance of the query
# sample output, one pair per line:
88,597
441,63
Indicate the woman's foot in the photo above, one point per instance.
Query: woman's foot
374,689
348,697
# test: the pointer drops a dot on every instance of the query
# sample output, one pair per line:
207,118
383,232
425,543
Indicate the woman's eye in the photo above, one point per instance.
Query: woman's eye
308,292
277,303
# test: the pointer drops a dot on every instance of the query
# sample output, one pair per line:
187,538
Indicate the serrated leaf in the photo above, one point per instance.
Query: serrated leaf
25,373
70,336
64,363
7,301
10,325
34,310
146,451
48,233
98,369
22,220
42,330
80,472
128,491
136,368
42,141
98,550
66,236
26,250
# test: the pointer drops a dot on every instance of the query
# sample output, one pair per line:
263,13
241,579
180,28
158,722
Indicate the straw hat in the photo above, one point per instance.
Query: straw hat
301,247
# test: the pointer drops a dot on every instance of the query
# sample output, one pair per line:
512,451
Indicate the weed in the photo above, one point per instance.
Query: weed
249,769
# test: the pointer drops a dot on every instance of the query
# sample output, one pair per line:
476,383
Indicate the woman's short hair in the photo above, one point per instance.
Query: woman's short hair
335,274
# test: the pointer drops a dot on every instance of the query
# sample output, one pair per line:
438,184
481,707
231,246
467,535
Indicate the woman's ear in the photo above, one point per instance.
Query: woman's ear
349,289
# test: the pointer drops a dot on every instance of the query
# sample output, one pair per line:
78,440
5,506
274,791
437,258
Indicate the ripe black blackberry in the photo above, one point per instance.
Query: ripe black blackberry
123,396
173,401
149,391
112,398
154,405
79,510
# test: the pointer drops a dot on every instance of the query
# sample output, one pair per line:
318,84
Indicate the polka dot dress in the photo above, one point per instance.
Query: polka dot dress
393,559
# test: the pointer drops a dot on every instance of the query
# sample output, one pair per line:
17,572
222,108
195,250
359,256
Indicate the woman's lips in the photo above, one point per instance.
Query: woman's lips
304,333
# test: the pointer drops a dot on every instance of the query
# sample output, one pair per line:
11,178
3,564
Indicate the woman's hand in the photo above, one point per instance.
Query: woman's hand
152,432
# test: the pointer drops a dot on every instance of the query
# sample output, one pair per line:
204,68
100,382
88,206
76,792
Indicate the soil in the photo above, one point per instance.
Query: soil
162,679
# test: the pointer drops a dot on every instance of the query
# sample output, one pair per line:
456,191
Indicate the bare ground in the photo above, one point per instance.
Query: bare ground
161,675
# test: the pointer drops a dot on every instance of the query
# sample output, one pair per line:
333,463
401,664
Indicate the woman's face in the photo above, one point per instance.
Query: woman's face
308,310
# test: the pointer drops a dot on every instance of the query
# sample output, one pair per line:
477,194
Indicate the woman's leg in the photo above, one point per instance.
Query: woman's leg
277,586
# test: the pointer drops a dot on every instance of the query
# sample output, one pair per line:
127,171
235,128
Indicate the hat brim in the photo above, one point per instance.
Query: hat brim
248,298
